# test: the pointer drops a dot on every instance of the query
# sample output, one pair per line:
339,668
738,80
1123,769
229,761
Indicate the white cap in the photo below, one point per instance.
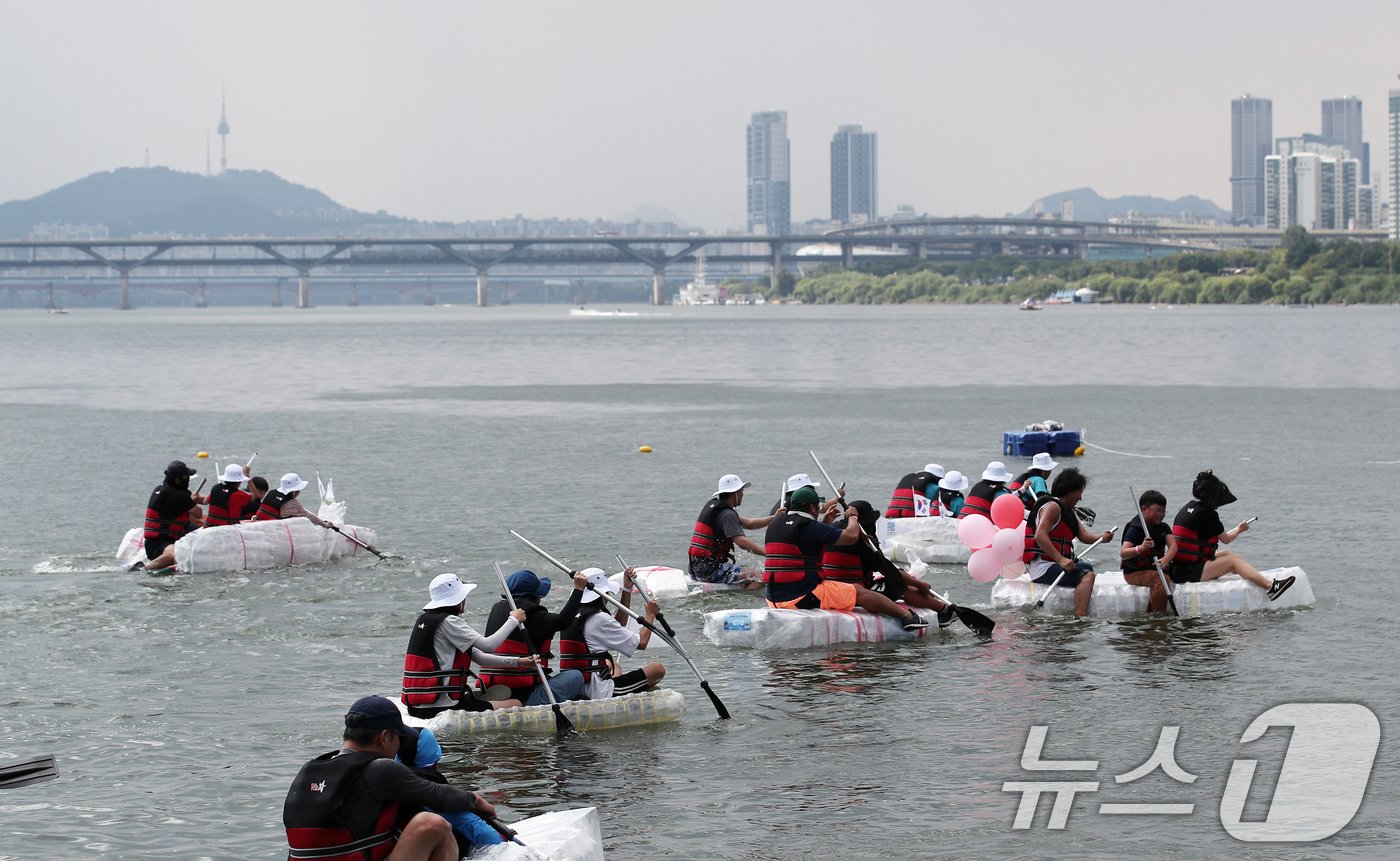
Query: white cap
935,468
598,579
234,472
731,484
1043,461
802,479
447,590
291,483
996,471
954,480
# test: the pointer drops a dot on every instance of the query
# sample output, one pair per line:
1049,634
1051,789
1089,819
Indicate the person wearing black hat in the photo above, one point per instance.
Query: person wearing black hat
1199,533
529,589
857,564
360,800
171,513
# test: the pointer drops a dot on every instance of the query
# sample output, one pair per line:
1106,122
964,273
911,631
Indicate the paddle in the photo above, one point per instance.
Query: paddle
562,725
1075,557
28,771
704,685
505,830
1147,535
978,623
353,540
660,616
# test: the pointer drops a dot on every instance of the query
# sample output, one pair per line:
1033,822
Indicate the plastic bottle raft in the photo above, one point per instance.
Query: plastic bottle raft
928,539
665,582
563,835
254,545
1113,597
649,707
766,628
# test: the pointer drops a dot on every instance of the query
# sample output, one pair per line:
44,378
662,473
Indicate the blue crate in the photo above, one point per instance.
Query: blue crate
1063,442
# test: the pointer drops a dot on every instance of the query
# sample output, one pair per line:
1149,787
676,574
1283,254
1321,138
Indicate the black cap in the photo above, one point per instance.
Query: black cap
377,713
178,469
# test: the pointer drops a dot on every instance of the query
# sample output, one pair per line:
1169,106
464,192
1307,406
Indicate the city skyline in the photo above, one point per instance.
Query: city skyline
453,112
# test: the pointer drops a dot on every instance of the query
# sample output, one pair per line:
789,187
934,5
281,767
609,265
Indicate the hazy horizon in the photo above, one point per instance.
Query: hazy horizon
454,112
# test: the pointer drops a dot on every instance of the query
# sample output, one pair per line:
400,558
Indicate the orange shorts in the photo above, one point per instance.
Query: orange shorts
832,595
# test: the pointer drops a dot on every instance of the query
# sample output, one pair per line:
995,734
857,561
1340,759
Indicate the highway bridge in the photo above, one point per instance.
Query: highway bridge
213,263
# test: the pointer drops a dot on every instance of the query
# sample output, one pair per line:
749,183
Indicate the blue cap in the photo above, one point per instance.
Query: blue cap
525,583
377,713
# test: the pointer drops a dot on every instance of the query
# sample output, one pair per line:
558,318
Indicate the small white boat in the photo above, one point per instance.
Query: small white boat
1115,598
560,835
590,312
664,582
1030,304
933,540
765,628
662,705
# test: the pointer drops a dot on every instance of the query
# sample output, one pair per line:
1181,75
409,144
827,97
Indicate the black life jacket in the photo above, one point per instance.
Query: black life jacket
158,527
520,680
574,653
226,504
788,572
705,540
271,507
313,816
1191,521
1158,534
979,498
423,679
1062,535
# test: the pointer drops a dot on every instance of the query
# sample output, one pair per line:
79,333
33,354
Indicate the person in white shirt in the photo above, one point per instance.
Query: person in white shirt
586,645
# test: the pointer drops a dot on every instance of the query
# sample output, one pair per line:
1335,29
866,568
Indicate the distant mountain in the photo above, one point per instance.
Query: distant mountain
163,201
1089,205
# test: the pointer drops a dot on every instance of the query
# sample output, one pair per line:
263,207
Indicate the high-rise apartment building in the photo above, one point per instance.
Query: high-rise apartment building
854,175
1311,184
1394,163
1341,125
1251,139
770,184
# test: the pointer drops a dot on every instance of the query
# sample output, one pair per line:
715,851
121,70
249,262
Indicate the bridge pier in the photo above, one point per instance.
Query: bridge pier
848,255
200,299
481,288
776,265
49,288
124,304
658,285
354,294
277,296
430,299
304,289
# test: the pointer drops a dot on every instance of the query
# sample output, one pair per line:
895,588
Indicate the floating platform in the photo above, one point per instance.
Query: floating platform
1031,443
650,707
1115,598
765,628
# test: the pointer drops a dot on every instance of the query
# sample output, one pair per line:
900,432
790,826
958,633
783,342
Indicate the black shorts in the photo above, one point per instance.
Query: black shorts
630,682
156,546
1186,573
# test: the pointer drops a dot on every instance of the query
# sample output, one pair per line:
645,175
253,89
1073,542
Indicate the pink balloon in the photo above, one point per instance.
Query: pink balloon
1008,511
975,531
1012,570
1009,544
984,566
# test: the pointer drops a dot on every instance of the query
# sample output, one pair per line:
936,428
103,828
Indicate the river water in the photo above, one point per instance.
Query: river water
179,708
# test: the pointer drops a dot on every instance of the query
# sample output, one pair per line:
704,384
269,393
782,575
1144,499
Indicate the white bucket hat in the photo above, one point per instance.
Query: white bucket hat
1043,461
935,468
234,472
802,479
954,480
996,471
291,483
731,484
598,579
447,590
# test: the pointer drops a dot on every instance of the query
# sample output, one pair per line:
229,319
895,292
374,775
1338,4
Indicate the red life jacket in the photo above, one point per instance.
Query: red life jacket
313,817
705,540
979,498
574,653
845,564
788,572
520,680
271,506
226,503
158,527
423,679
1197,529
1062,535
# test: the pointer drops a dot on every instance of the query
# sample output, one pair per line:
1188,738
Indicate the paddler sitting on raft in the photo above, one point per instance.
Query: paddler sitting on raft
857,564
529,589
1051,529
1199,532
1032,484
1143,553
993,484
793,547
441,648
228,502
914,486
948,502
281,504
718,530
586,645
171,513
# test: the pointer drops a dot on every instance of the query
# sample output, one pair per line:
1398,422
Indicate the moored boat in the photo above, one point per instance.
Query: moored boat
1115,598
766,628
662,705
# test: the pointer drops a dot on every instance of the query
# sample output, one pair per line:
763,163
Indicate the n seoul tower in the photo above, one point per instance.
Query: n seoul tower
223,134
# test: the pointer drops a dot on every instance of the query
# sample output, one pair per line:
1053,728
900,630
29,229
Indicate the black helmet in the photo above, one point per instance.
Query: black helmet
178,469
866,514
1208,488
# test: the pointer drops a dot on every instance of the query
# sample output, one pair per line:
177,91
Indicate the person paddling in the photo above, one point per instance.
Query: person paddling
914,486
1199,533
587,643
1051,528
227,500
993,484
529,589
1033,483
857,564
282,503
949,500
1138,550
171,513
718,530
422,754
793,547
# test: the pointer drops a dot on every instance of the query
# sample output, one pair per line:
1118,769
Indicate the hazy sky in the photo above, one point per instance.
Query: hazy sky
458,110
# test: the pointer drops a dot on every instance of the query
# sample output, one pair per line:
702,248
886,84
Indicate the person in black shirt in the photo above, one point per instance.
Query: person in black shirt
1138,550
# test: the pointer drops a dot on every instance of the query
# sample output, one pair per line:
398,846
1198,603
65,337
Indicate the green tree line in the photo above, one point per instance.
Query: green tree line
1302,269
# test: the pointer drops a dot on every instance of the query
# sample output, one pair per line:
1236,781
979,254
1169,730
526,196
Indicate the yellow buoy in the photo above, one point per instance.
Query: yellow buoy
202,454
646,449
1079,452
